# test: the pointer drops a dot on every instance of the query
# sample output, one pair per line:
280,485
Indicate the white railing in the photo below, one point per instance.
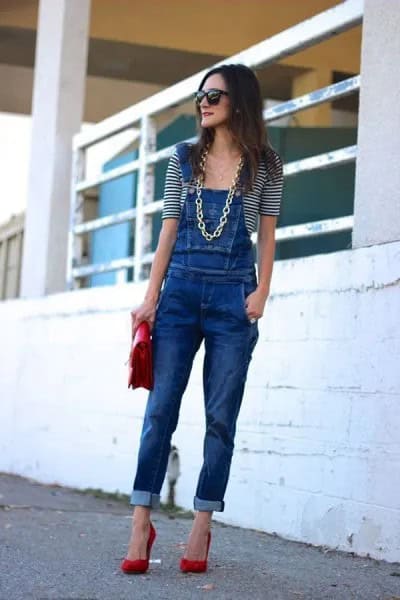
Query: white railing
336,20
11,244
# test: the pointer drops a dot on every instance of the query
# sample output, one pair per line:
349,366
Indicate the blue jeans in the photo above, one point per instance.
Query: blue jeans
193,307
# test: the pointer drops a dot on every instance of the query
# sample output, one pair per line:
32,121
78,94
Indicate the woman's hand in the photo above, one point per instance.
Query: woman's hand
255,303
145,312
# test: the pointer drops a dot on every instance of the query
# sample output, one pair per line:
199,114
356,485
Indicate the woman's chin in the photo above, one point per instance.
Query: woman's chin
210,123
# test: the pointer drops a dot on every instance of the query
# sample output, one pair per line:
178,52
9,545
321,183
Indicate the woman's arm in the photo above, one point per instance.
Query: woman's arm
147,310
162,257
170,218
265,258
265,251
270,205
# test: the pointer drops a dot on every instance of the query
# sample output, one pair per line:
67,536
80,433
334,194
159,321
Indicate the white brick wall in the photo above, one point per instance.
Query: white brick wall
317,450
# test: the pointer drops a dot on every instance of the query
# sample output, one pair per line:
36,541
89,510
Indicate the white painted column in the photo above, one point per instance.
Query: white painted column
377,190
58,100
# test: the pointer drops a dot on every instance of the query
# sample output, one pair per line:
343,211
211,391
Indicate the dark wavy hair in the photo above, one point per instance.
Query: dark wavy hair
247,126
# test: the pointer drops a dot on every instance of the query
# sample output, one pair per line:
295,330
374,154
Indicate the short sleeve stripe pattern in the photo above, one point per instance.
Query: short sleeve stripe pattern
264,199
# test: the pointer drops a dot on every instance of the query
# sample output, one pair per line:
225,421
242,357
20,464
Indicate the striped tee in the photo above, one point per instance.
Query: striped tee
264,199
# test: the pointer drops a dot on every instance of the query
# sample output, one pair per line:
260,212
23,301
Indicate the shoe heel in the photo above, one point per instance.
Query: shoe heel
140,565
195,566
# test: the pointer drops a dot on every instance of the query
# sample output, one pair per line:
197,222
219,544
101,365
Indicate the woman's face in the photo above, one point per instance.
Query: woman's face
213,115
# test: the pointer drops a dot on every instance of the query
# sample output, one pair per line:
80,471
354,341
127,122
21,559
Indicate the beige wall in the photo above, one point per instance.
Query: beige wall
103,96
213,27
191,33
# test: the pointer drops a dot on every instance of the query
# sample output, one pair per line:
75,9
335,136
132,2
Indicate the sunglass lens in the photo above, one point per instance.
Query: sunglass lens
198,96
213,97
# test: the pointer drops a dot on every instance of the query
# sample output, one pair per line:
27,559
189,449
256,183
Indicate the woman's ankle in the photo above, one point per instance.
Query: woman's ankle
203,519
141,517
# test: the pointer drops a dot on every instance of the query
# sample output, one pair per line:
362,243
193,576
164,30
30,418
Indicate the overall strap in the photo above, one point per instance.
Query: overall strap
182,149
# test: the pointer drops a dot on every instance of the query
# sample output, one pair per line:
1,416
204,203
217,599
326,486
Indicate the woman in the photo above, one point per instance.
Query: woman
215,192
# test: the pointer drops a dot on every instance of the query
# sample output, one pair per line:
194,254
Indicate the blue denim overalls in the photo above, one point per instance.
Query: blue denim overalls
203,298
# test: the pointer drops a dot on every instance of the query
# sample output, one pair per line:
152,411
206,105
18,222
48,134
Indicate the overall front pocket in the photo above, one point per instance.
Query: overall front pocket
212,213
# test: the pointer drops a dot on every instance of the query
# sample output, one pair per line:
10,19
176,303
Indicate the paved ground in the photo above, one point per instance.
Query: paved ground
57,543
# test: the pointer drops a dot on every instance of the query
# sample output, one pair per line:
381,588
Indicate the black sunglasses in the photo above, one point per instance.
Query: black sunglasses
213,95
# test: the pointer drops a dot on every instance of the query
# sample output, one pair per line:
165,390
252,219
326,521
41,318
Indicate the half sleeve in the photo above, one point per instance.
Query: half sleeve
172,189
271,195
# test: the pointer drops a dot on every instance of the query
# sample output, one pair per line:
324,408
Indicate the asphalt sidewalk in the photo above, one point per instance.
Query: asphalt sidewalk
61,544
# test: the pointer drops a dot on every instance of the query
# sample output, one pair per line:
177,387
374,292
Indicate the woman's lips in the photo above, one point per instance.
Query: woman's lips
207,114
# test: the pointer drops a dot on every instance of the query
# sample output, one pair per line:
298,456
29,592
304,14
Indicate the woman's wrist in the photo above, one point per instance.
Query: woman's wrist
263,288
152,296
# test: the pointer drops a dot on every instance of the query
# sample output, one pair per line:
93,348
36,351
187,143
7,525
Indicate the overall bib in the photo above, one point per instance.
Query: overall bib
203,298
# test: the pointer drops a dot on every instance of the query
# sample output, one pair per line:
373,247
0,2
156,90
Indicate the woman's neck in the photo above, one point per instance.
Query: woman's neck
223,144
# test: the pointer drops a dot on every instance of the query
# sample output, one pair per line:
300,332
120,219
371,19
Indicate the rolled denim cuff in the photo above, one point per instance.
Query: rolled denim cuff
208,505
142,498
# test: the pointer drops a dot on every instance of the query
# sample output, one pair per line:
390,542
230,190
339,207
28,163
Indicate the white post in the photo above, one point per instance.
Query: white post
58,99
77,199
145,194
377,189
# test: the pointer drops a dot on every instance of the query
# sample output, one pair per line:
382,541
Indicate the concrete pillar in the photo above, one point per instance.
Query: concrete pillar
58,99
377,185
314,79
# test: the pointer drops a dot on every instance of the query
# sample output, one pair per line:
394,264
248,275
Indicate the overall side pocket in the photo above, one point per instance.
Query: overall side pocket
247,287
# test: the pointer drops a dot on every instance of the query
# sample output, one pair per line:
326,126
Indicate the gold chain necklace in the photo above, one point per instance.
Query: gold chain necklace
199,203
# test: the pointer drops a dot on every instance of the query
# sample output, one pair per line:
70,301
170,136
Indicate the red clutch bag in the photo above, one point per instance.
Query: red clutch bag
141,359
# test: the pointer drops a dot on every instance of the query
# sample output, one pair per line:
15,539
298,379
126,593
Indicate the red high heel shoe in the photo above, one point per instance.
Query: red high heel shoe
195,566
140,565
